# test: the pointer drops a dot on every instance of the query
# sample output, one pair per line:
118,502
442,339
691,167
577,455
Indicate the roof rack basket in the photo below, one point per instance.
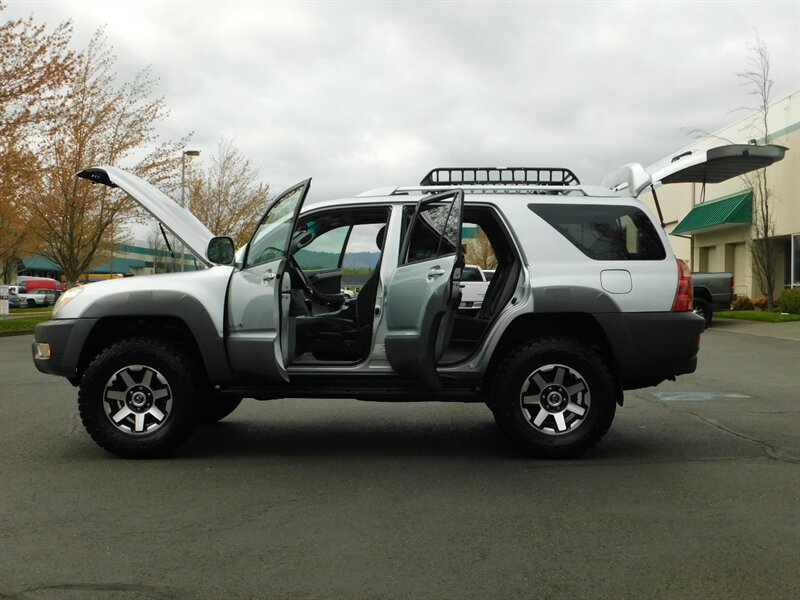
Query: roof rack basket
500,176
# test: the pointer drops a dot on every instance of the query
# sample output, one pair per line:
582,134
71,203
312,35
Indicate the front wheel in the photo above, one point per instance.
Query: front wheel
554,398
138,398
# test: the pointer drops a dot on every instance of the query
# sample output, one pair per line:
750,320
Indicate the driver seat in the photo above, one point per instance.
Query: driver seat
337,337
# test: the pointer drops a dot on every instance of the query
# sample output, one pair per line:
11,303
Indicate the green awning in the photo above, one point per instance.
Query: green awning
39,263
736,209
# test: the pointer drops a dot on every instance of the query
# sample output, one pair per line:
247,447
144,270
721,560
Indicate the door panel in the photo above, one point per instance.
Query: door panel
258,295
423,295
254,308
328,281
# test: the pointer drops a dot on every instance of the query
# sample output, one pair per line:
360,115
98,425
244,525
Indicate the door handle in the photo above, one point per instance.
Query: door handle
267,277
434,272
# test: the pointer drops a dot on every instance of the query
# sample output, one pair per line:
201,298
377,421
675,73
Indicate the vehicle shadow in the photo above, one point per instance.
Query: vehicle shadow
344,440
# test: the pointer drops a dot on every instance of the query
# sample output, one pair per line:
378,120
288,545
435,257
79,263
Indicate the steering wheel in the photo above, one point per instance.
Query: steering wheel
334,300
294,268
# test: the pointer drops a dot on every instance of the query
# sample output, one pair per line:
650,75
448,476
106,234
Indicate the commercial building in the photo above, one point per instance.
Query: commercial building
711,226
124,260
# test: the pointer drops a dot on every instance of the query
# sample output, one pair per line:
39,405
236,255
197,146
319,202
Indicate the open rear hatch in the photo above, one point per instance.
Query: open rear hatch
718,164
700,166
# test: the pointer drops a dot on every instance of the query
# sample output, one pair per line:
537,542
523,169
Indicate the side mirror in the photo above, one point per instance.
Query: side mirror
220,250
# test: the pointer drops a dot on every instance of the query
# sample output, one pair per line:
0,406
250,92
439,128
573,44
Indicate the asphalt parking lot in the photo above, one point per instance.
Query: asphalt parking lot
694,493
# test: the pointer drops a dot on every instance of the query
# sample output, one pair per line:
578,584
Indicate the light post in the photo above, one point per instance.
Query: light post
184,154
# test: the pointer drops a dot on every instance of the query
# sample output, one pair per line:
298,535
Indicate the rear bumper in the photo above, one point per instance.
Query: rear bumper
651,347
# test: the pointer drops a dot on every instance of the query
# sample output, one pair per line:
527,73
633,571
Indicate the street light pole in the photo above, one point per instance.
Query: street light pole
184,154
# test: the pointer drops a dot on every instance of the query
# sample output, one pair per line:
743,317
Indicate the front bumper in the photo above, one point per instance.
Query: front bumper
65,339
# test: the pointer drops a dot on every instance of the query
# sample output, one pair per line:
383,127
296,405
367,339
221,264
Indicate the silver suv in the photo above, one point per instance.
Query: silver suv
587,301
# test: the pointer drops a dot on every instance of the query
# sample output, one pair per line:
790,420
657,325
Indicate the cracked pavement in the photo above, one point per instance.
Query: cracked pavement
693,493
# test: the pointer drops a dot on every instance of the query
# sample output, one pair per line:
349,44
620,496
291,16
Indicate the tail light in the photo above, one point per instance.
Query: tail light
684,295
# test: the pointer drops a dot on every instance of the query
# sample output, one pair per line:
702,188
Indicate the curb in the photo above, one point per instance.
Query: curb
17,332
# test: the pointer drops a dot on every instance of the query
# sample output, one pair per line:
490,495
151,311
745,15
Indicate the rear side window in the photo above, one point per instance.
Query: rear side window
435,232
605,232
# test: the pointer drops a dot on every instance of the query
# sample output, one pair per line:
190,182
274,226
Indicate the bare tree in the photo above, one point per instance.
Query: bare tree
227,197
756,77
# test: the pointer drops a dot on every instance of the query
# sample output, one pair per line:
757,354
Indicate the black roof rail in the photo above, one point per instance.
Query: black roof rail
500,176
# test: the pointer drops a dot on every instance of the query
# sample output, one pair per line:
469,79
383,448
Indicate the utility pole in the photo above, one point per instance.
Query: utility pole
183,195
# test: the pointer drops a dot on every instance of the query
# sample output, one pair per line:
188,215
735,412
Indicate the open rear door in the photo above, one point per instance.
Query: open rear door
422,297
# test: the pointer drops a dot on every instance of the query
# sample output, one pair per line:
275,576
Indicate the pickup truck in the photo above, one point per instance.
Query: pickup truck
712,290
473,288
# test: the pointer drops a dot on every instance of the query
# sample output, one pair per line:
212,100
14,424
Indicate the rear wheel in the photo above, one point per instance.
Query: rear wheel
138,398
31,303
554,398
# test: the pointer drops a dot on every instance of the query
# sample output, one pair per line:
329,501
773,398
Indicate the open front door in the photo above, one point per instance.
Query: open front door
422,297
258,295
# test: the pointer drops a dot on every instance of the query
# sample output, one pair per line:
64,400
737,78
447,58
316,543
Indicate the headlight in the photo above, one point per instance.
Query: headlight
65,298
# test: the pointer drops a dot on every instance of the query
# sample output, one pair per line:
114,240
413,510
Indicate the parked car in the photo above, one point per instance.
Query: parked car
14,301
587,300
34,298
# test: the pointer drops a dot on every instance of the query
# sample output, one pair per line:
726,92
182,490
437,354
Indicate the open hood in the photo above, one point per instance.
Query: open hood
701,166
183,224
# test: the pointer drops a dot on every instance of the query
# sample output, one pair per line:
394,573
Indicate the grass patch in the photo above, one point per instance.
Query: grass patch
755,315
35,310
22,323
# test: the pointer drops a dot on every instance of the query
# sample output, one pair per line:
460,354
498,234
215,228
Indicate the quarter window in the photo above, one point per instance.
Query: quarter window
605,232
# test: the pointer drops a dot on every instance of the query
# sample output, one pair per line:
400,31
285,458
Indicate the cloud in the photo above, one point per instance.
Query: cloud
367,95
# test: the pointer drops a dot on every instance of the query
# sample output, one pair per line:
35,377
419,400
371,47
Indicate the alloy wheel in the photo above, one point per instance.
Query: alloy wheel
555,399
137,399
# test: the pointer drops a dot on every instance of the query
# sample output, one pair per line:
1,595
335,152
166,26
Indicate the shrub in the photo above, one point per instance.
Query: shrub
760,304
742,303
789,301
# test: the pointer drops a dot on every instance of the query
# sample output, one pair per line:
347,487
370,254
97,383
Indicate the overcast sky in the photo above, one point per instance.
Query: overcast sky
365,95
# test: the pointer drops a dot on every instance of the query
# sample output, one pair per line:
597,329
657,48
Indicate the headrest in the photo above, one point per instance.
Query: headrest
380,236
